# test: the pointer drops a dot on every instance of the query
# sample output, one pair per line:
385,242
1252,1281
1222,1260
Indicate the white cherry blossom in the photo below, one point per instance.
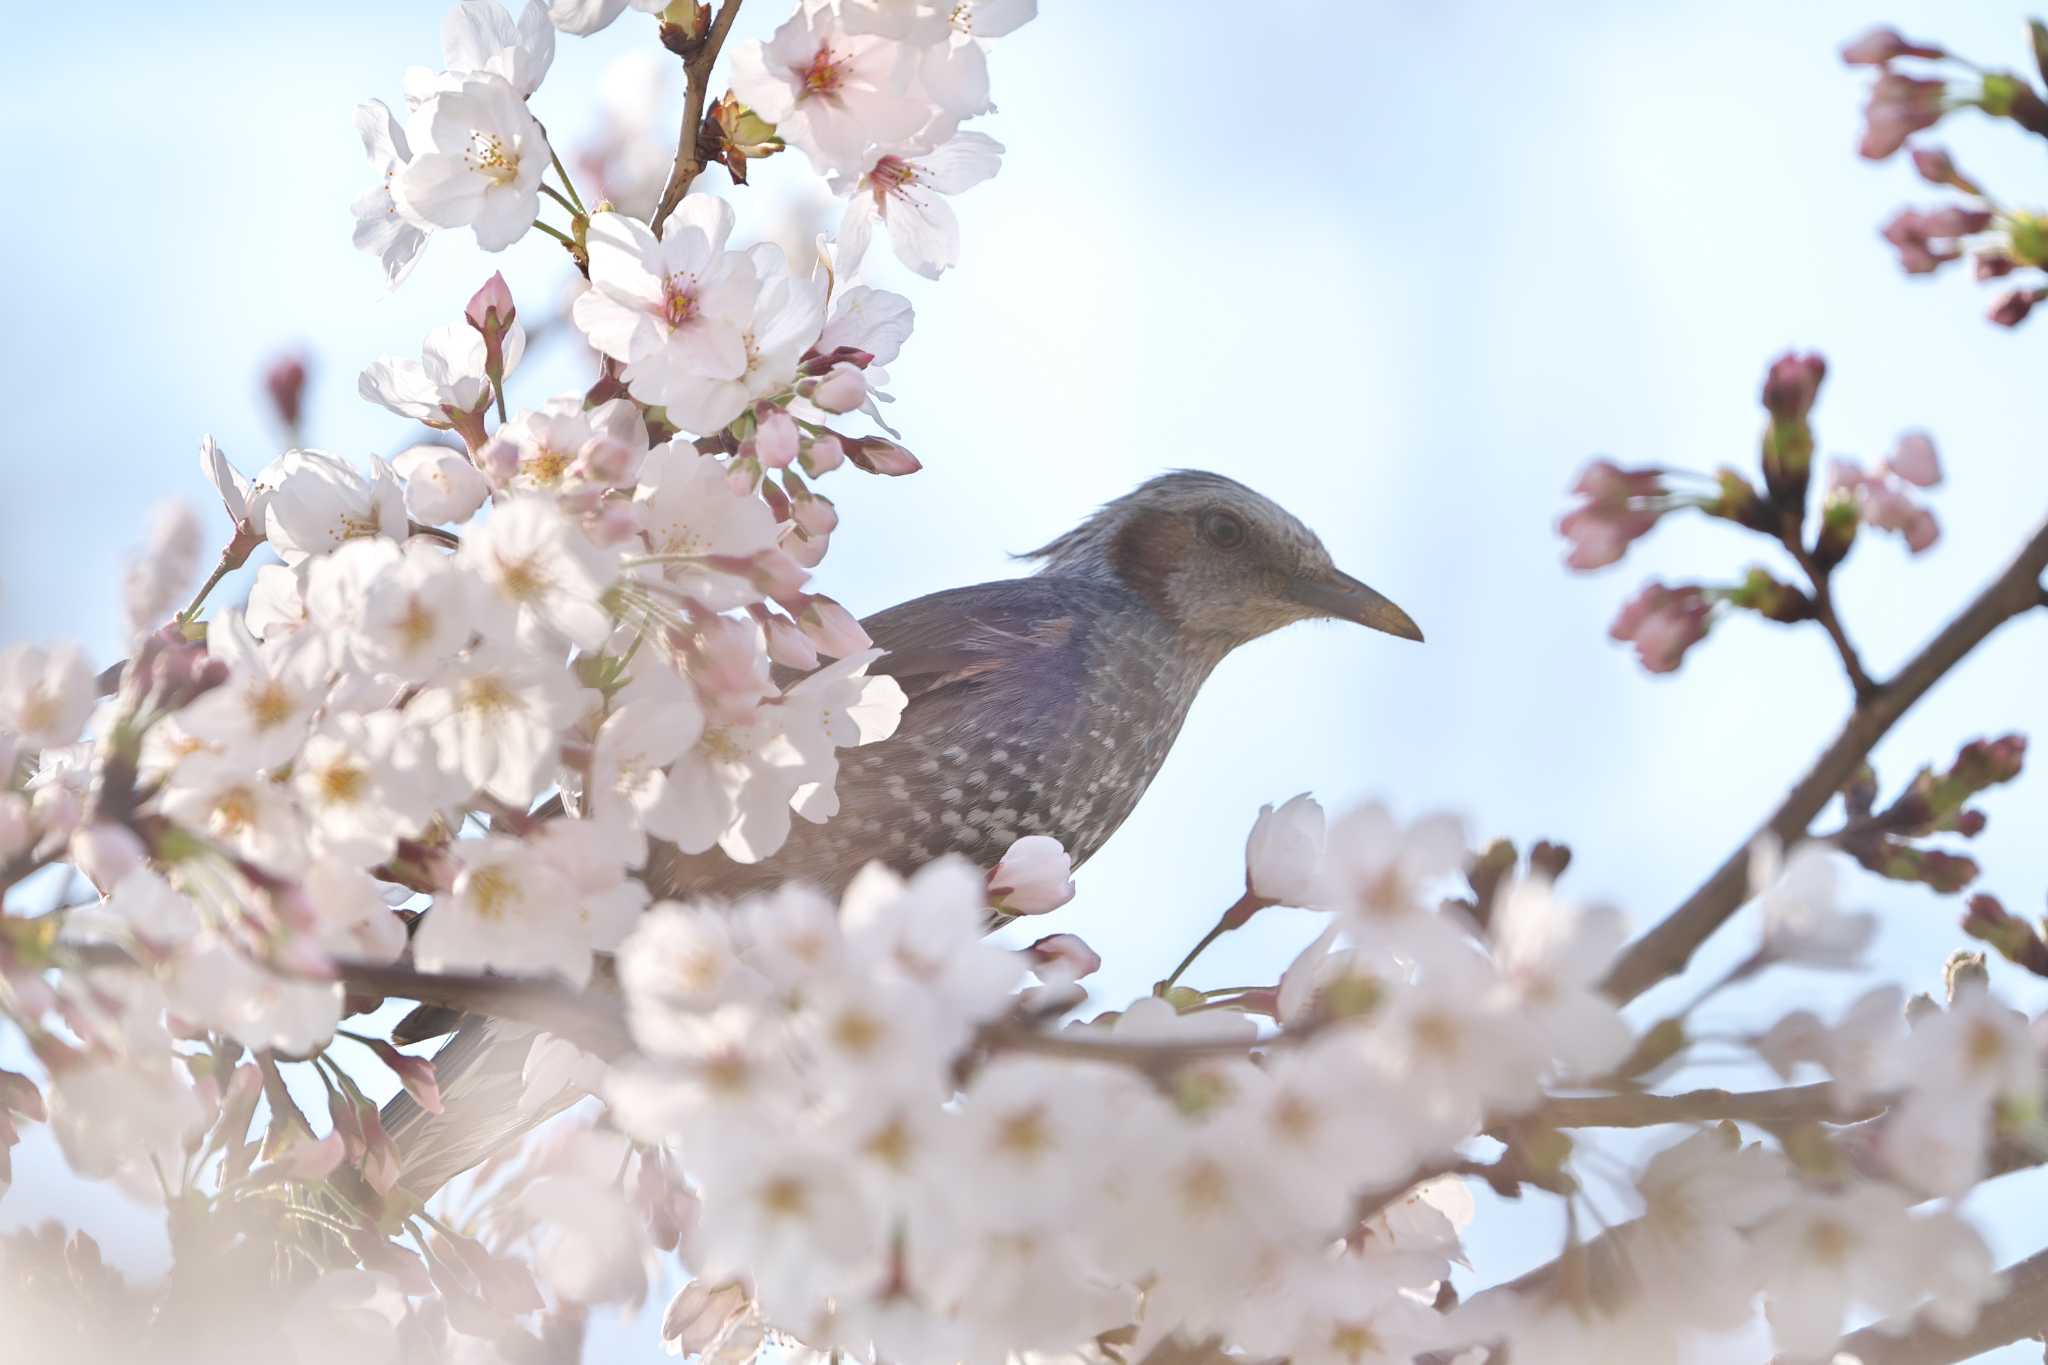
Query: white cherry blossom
389,235
903,190
477,161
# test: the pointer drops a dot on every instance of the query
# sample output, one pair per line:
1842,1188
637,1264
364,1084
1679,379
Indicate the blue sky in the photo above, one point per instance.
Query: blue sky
1401,267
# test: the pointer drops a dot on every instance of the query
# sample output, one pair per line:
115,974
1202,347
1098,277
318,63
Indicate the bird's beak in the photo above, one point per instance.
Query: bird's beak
1344,598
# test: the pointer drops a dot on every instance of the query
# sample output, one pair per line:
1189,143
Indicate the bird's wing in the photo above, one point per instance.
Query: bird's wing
968,638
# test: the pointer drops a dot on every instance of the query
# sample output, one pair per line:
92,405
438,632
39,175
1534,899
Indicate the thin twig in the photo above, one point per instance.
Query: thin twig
1768,1108
1831,621
696,83
592,1019
1666,949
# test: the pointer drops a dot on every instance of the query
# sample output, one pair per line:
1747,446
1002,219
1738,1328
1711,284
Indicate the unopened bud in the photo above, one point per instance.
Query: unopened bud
1033,877
823,454
879,456
284,383
490,309
832,628
1064,954
701,1315
776,438
843,390
1884,44
2012,307
1935,165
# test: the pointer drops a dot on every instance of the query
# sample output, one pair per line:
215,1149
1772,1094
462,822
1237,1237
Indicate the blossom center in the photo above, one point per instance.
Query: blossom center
891,175
546,465
824,77
491,891
523,579
679,300
342,783
490,158
416,626
270,704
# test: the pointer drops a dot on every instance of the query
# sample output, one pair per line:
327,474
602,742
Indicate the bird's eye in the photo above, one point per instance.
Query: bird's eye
1224,530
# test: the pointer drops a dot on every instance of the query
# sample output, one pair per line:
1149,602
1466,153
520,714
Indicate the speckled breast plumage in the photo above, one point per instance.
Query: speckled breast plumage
1037,706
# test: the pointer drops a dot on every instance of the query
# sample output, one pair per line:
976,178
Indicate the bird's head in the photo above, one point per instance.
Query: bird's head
1224,564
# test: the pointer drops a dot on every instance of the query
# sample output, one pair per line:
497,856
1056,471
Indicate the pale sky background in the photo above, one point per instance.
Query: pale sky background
1404,267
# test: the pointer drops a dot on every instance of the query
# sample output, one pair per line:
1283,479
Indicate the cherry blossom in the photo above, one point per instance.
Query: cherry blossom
674,309
446,387
477,161
901,190
319,501
45,694
381,229
1034,876
480,36
827,90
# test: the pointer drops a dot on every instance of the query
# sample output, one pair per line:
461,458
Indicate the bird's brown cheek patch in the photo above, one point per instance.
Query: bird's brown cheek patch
1147,551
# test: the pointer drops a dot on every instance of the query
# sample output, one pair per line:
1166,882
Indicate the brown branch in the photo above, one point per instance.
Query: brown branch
696,84
592,1019
1666,949
2018,1313
1831,621
1766,1108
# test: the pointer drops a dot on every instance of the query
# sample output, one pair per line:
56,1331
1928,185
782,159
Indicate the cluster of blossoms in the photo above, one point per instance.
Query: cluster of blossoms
2003,242
1620,506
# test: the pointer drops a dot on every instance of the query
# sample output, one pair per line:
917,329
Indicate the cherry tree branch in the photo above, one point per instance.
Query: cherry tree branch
696,84
594,1020
1766,1108
2015,1315
1666,949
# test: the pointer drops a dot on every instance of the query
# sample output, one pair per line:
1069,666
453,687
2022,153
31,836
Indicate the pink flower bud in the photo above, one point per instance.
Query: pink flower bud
743,475
1066,955
1034,876
878,456
1993,265
2013,306
380,1161
778,575
1899,107
1884,44
832,628
807,550
815,514
1915,461
823,454
787,645
1934,165
490,308
701,1316
777,438
1792,385
1614,515
1283,857
284,383
843,390
416,1074
1662,623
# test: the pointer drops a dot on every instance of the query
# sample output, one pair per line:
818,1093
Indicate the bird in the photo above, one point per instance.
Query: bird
1043,704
